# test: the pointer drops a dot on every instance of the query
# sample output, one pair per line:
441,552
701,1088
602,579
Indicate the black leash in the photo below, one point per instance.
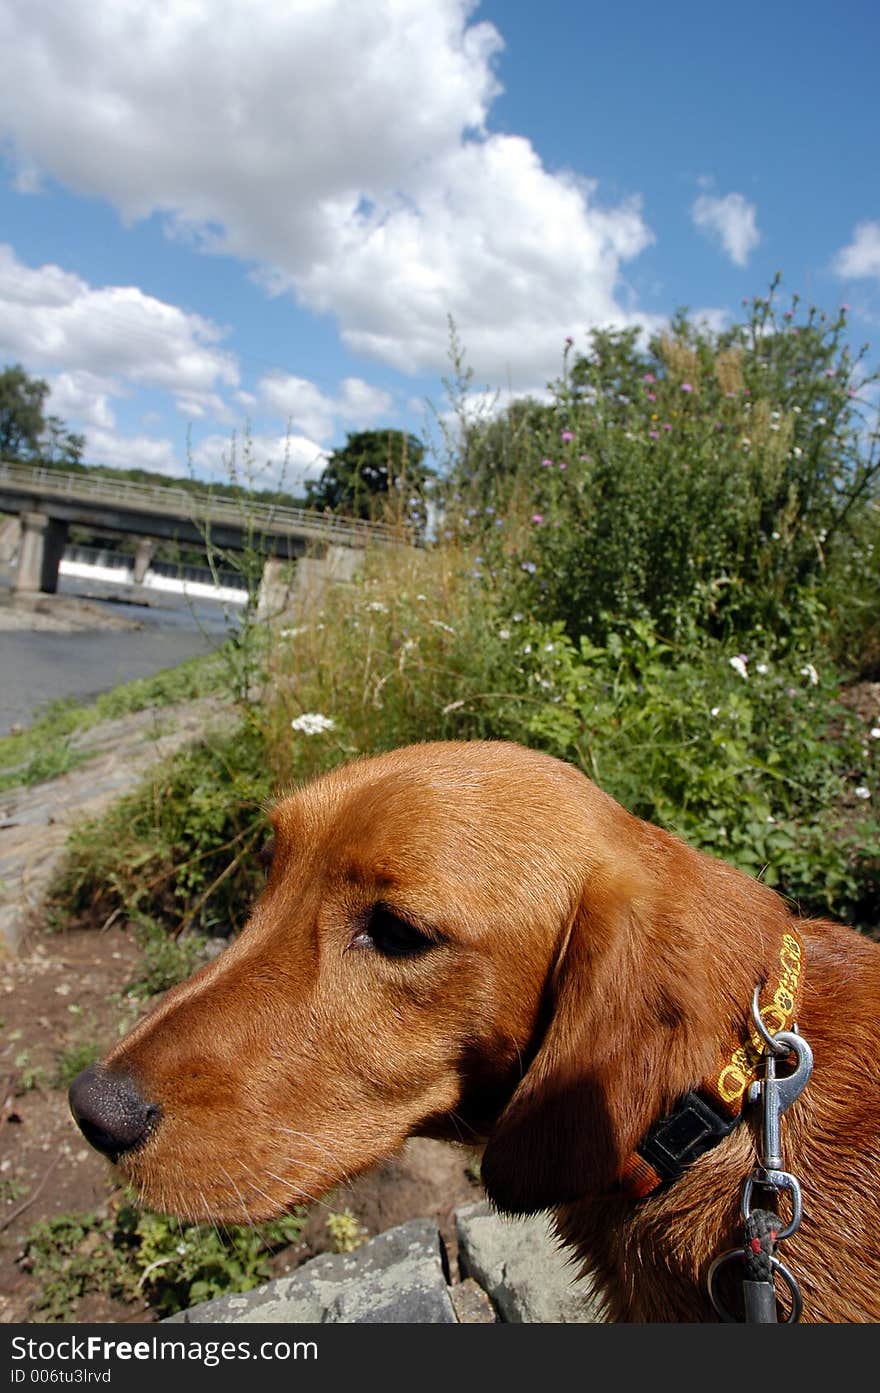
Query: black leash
764,1229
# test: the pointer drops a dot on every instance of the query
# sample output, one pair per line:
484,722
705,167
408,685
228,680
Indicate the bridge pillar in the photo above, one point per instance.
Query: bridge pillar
42,545
143,555
281,592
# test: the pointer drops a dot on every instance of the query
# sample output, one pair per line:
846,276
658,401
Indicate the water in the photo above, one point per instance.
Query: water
37,667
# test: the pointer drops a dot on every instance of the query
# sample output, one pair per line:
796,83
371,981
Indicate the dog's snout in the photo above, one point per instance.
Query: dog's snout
110,1112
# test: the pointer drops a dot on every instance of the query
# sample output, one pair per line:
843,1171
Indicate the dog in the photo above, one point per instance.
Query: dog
471,941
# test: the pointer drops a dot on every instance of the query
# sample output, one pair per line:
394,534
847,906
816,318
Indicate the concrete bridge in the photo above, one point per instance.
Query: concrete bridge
48,501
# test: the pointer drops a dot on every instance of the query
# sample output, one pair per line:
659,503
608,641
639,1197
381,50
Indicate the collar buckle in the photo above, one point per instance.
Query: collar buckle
692,1128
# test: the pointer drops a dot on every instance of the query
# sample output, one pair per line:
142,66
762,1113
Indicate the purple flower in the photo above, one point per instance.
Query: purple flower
649,377
546,464
829,372
652,396
569,340
789,314
686,387
538,518
530,567
567,436
667,425
653,434
844,309
562,464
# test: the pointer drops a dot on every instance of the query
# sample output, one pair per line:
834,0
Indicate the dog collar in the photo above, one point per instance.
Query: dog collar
709,1112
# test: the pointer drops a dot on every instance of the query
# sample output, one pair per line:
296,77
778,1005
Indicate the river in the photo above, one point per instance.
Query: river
37,666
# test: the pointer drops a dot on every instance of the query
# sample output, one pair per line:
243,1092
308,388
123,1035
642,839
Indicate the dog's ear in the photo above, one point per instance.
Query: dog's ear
597,1078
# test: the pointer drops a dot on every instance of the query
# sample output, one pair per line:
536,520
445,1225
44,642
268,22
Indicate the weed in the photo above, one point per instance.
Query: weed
345,1232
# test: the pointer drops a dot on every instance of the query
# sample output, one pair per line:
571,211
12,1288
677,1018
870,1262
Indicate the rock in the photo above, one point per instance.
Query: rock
522,1267
397,1277
472,1305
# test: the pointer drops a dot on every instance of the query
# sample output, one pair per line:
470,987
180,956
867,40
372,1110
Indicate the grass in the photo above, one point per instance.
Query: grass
44,750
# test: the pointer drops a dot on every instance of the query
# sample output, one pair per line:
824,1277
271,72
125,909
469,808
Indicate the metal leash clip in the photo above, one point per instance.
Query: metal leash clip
762,1226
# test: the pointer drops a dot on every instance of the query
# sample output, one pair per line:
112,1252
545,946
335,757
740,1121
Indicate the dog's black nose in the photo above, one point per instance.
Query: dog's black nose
110,1112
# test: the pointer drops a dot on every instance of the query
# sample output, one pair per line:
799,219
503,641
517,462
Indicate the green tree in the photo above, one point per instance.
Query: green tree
22,420
26,432
367,470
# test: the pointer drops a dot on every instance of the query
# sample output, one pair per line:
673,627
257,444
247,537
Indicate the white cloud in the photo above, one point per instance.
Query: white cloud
52,318
263,461
860,260
131,452
307,408
340,149
83,397
730,221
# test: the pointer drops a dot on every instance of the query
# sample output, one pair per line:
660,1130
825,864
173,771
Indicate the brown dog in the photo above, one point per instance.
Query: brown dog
473,942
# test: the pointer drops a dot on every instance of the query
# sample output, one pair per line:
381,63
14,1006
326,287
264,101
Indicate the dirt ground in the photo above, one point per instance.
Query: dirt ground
69,990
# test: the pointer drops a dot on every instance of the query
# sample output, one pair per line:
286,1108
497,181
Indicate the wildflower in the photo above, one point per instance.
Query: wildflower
438,624
844,309
862,792
761,668
821,421
775,536
311,723
566,436
377,607
504,633
517,618
529,566
537,518
293,633
548,647
797,452
652,396
874,732
715,711
562,464
568,341
421,597
649,377
686,387
527,648
546,464
654,434
739,664
667,425
810,671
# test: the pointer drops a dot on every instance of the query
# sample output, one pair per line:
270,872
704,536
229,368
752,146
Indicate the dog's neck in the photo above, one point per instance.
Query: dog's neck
707,1113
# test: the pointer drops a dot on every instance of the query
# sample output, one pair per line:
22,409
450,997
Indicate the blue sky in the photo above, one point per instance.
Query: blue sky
216,216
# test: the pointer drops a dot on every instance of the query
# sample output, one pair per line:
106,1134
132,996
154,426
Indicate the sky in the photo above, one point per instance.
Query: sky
255,221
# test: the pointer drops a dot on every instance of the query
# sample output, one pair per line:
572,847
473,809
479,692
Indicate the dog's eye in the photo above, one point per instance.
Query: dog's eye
265,854
393,937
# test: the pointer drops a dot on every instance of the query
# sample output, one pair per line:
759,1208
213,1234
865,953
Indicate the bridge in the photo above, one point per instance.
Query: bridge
49,501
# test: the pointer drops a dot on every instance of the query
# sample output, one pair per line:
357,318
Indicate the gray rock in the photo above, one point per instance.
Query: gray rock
397,1277
522,1267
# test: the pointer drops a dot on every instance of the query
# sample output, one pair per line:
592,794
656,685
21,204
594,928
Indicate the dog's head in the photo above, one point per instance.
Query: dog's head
445,946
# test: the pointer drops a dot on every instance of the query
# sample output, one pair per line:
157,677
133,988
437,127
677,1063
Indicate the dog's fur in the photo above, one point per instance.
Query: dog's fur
578,971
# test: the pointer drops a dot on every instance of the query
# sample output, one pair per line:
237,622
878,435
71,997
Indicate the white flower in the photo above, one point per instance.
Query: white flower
776,536
311,723
874,732
821,421
862,792
762,668
739,665
294,633
527,648
504,633
421,597
377,606
746,442
438,624
548,647
517,618
797,452
715,710
810,671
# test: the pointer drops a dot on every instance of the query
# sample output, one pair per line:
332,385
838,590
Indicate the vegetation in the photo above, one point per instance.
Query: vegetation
374,468
26,432
45,749
132,1255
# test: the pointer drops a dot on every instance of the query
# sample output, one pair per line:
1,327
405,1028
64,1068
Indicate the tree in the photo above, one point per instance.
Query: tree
21,413
26,432
367,469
